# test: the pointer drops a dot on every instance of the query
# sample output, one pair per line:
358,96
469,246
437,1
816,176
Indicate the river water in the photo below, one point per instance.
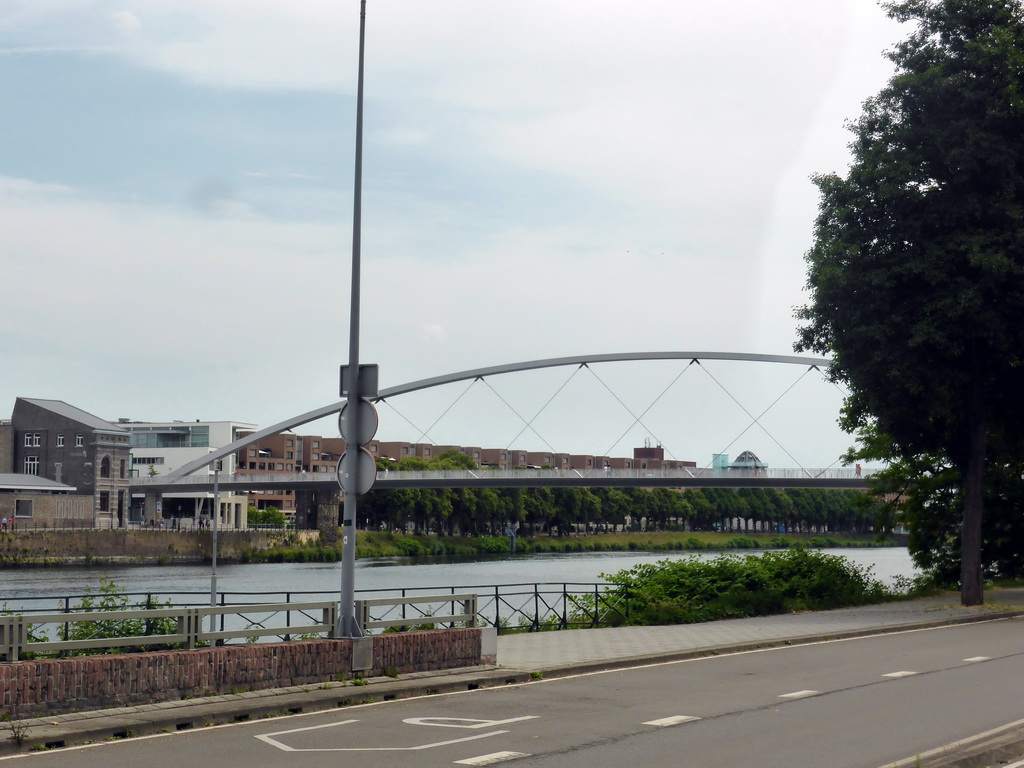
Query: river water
44,588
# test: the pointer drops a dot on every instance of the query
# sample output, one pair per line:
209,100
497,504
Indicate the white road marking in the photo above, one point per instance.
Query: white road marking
901,673
464,722
798,694
268,738
675,720
983,658
491,759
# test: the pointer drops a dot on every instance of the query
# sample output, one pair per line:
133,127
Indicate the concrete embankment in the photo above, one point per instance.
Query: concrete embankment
89,546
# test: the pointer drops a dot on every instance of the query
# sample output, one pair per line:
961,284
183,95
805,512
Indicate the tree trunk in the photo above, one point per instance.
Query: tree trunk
972,591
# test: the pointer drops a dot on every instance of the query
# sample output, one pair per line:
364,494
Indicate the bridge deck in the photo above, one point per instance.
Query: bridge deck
523,478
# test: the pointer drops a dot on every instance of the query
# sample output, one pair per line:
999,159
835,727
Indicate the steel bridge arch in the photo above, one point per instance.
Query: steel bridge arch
481,373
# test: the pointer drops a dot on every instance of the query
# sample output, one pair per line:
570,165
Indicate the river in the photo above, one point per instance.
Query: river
44,587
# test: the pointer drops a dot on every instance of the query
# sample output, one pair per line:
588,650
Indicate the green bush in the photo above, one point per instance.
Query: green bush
108,596
743,542
696,590
822,542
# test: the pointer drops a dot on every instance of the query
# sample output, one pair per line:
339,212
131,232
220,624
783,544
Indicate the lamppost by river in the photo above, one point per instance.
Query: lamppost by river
350,468
213,541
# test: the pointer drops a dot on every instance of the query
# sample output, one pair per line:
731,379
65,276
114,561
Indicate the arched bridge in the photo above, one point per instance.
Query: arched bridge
179,479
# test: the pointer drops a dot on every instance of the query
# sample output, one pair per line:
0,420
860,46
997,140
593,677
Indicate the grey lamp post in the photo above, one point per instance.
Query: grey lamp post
347,626
213,542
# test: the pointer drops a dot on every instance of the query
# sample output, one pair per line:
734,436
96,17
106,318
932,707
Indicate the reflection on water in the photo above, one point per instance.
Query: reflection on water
376,574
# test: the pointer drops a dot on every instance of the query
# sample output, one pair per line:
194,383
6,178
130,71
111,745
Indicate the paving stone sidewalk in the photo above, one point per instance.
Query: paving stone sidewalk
551,650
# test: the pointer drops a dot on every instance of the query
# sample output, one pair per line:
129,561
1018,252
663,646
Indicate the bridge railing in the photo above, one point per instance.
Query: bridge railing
600,475
841,473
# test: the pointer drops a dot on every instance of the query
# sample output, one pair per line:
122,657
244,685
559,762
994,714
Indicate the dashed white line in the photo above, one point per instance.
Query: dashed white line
798,694
674,720
901,673
492,758
980,658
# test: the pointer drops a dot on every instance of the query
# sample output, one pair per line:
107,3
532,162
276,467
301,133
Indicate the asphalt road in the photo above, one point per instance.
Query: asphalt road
858,703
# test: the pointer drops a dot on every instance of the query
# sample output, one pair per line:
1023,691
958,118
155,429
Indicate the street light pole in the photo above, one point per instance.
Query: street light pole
347,625
213,542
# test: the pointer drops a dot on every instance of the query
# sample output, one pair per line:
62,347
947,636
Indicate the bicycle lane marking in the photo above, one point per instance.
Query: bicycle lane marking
274,739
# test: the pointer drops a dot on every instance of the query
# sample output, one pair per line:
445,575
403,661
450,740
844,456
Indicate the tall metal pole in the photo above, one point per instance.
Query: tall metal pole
347,626
213,543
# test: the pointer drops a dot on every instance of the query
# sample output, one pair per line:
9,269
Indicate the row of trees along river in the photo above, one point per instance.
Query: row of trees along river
563,511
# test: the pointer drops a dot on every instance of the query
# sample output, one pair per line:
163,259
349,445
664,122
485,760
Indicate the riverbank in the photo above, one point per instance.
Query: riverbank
101,547
370,544
147,547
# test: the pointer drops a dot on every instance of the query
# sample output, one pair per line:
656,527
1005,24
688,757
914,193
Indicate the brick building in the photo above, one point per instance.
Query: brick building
56,441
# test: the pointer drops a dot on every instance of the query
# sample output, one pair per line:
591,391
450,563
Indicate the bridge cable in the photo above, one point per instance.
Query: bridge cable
404,417
756,419
845,394
529,424
636,419
445,413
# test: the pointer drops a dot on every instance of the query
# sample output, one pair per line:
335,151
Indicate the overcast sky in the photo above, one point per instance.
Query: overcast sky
541,178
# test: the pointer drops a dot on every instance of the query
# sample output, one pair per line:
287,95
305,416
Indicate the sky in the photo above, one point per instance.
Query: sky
540,179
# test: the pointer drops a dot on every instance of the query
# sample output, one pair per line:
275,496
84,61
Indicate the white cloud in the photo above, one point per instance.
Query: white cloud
126,21
544,178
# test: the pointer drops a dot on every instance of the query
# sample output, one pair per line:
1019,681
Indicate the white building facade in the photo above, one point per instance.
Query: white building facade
158,448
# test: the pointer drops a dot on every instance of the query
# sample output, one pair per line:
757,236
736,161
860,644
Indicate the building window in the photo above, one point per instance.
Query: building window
280,467
60,441
252,452
316,457
104,501
252,465
316,443
289,443
122,469
262,465
105,467
31,465
79,440
23,508
32,439
289,454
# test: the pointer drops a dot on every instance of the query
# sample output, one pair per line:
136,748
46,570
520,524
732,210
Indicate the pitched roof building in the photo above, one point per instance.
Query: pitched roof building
56,441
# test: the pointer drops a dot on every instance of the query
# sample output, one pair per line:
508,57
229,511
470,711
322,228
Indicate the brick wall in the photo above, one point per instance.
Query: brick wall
91,682
405,652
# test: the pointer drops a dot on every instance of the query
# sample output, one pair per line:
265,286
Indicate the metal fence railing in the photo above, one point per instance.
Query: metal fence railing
416,612
90,630
73,632
62,625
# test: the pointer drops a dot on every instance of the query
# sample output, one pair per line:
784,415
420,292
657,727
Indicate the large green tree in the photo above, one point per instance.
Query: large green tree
917,270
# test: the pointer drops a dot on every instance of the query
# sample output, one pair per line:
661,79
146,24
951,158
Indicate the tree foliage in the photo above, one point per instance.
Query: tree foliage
917,268
266,516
